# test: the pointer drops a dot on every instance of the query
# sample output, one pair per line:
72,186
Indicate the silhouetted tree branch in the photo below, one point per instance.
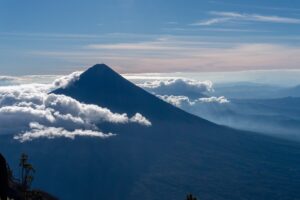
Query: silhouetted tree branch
27,172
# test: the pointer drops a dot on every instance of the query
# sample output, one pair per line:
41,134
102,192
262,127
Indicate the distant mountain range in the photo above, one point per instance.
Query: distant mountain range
277,117
178,154
249,90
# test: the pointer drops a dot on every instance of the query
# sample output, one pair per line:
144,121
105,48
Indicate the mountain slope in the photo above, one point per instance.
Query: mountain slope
179,153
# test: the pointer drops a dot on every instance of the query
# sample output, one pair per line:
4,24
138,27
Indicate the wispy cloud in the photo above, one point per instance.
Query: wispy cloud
132,46
72,36
245,5
233,30
50,35
222,17
211,21
194,54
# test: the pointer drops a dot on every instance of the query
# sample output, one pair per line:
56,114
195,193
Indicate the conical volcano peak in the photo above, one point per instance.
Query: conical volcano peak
99,71
100,68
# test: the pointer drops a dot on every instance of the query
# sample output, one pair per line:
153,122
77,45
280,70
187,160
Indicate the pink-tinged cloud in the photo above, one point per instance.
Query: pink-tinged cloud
177,55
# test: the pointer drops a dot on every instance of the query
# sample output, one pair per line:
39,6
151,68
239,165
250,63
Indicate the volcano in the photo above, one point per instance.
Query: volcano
179,154
101,85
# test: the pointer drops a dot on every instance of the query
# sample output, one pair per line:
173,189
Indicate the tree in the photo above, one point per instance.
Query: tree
190,197
27,172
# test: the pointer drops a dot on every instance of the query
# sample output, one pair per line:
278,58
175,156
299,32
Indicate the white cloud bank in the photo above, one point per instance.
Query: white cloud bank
183,92
178,87
31,112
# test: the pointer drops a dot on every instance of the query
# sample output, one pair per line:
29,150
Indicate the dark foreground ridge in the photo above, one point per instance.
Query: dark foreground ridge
180,153
19,189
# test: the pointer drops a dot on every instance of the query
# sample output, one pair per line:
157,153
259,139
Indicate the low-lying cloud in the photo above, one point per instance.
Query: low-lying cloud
30,111
178,86
41,131
65,81
184,93
184,101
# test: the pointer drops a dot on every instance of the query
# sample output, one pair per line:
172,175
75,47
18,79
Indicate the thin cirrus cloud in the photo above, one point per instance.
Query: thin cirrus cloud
167,53
223,17
194,54
155,45
29,111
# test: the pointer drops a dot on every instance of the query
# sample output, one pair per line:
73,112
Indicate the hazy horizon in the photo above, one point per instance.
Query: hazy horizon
284,78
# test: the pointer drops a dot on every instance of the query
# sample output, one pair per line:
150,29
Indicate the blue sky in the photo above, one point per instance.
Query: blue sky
57,37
